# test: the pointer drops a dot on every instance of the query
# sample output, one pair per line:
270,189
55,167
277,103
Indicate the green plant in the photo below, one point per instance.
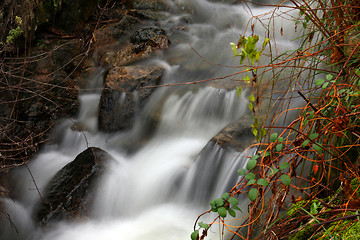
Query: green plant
246,48
15,32
222,206
317,151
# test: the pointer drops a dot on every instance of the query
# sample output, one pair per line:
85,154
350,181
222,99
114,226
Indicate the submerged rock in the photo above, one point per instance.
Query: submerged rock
125,93
70,193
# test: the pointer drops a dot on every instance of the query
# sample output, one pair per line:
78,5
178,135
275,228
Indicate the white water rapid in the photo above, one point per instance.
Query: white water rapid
157,192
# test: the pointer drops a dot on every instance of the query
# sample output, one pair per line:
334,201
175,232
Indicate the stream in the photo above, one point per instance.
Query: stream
157,192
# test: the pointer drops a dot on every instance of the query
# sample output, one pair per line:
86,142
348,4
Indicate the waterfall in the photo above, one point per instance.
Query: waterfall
158,191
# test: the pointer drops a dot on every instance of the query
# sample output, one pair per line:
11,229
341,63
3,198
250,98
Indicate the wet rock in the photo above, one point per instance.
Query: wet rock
236,136
143,43
154,5
79,127
112,33
146,34
125,94
126,56
70,193
149,15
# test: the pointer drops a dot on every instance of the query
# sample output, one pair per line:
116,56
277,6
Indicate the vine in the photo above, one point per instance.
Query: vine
307,168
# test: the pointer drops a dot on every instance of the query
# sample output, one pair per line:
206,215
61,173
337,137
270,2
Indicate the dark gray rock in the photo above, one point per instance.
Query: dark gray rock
125,94
70,193
236,136
144,35
154,5
149,15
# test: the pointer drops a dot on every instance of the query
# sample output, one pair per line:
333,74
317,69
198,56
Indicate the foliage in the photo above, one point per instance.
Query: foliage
299,163
15,32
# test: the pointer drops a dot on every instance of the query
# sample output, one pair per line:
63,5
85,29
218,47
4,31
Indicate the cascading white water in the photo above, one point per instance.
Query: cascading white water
158,192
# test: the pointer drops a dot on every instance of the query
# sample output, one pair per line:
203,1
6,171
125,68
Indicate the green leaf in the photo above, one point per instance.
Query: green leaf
233,201
251,164
238,91
225,196
273,137
251,182
253,193
234,48
329,77
255,132
305,143
246,79
279,147
236,208
251,106
325,85
255,157
317,147
204,225
313,136
250,176
285,179
257,56
222,212
274,171
284,165
263,132
252,98
195,235
262,182
302,8
232,212
241,172
313,208
213,205
319,82
311,115
266,41
219,202
280,139
267,154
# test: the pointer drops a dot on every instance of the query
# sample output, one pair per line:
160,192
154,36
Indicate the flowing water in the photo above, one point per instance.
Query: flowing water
157,192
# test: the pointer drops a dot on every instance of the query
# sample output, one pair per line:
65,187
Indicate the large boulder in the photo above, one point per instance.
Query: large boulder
71,191
125,94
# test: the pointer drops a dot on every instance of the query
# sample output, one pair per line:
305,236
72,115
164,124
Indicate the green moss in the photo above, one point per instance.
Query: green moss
355,183
296,207
303,233
345,230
